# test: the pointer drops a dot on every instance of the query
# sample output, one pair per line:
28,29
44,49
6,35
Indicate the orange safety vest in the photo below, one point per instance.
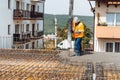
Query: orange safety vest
78,28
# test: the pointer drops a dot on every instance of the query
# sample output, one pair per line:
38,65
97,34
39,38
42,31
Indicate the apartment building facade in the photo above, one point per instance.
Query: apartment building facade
107,26
21,24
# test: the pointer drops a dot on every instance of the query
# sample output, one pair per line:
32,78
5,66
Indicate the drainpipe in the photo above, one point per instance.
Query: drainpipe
43,21
93,10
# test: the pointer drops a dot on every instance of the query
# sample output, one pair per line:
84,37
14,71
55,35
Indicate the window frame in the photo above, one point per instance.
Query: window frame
114,19
9,31
114,48
27,27
9,4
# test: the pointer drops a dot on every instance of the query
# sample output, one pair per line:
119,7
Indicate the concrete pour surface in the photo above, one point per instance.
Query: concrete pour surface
112,58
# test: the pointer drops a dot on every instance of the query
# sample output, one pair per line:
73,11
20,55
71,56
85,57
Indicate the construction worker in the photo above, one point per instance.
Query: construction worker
77,34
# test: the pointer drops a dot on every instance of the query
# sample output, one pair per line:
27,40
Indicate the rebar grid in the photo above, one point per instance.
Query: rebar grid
41,65
107,71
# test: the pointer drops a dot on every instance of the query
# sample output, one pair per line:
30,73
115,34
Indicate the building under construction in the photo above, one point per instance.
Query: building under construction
49,65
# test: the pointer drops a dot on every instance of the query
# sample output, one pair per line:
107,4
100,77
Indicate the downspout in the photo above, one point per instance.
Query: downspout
93,10
43,21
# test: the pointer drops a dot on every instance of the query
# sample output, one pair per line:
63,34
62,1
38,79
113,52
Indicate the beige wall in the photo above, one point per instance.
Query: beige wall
105,34
108,32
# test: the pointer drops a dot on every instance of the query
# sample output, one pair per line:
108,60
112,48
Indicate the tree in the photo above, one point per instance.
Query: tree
87,36
62,32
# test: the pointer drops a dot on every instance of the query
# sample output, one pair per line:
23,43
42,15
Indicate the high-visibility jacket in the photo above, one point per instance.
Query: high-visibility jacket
78,30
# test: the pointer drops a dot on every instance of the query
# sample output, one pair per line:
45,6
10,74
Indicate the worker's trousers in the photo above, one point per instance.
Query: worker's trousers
77,46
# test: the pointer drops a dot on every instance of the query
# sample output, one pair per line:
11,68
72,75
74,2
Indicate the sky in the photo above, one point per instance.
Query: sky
81,7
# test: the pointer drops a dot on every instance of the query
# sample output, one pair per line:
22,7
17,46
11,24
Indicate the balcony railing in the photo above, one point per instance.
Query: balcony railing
36,34
21,38
21,14
26,15
37,0
108,32
36,15
40,33
27,37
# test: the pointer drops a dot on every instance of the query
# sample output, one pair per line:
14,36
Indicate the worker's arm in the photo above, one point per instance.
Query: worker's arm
73,27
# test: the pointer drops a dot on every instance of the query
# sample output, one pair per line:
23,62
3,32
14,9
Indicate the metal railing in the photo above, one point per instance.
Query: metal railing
26,15
27,37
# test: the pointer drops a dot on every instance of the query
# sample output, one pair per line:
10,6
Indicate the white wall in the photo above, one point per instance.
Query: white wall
6,41
6,18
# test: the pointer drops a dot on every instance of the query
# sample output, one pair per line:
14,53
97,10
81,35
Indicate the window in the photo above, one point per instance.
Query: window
38,9
8,29
110,19
113,47
9,4
22,28
37,27
109,47
27,27
33,8
22,5
117,19
27,46
61,43
17,4
113,19
33,45
27,7
17,29
37,44
117,46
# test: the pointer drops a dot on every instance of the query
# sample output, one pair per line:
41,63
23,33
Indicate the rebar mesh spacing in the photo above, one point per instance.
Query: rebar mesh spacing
41,65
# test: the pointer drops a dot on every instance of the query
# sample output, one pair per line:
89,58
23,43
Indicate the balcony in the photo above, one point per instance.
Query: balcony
110,32
26,15
21,14
36,35
40,33
21,38
37,0
26,37
36,15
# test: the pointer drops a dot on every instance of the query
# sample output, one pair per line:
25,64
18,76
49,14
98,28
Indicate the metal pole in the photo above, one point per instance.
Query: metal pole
70,19
55,31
